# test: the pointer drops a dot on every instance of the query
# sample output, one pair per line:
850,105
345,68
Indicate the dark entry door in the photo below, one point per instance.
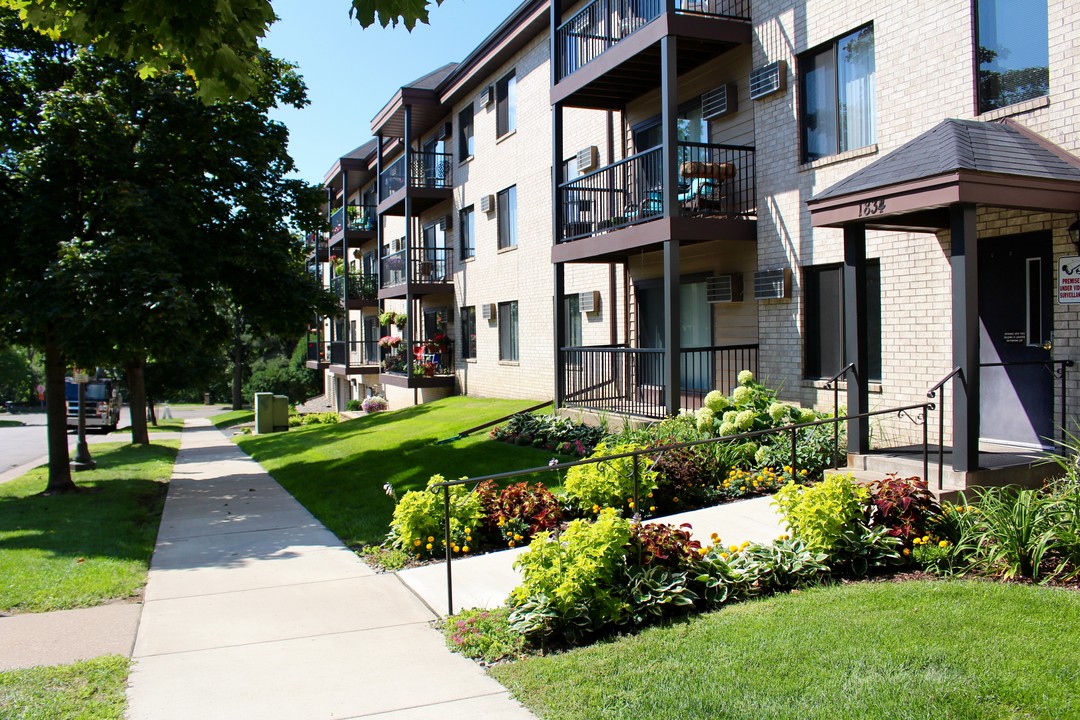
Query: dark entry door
1016,322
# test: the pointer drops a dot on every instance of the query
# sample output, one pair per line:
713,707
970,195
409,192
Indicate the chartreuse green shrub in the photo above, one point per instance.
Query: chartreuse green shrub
817,514
610,483
417,525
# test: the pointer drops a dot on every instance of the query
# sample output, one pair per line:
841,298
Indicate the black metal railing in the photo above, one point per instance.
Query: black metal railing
360,218
361,287
429,265
392,178
337,220
631,381
354,353
431,170
833,384
640,457
714,180
317,349
602,24
431,358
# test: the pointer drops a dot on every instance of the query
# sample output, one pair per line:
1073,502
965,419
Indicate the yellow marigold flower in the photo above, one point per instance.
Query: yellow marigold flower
501,522
430,539
943,543
649,495
465,549
702,550
715,536
674,500
723,556
733,548
416,542
596,508
428,546
906,551
511,543
518,537
652,508
631,503
455,548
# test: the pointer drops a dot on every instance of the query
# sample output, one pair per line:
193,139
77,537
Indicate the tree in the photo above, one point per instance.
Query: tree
140,214
216,41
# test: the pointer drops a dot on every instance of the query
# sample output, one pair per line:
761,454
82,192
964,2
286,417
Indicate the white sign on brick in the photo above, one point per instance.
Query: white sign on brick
1069,280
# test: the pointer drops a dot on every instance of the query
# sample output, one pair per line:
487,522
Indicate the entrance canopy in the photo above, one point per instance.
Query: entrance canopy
1001,164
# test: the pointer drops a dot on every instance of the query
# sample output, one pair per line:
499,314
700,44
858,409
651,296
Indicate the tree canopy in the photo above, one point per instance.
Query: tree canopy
216,41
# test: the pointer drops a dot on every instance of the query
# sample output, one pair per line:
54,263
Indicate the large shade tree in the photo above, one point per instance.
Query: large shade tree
217,41
141,215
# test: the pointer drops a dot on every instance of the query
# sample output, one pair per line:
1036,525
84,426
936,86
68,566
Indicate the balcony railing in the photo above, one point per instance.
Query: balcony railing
360,218
602,24
630,381
426,170
429,265
354,353
317,350
361,287
714,180
431,358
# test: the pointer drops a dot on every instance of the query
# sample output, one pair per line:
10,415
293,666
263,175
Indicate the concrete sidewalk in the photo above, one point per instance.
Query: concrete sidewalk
254,609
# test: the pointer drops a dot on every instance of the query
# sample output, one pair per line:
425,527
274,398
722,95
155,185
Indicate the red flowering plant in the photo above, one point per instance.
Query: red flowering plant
437,343
517,512
664,545
389,342
904,505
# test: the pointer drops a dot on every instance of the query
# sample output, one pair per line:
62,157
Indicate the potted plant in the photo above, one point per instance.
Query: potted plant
387,318
401,320
390,342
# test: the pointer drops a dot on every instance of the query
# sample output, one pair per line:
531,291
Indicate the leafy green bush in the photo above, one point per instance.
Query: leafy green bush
483,635
1013,530
609,483
818,514
417,525
815,449
555,433
353,405
737,573
323,418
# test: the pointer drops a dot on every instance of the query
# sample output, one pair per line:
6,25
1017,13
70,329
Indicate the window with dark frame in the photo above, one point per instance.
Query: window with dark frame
837,88
466,144
467,224
823,320
508,331
506,104
1012,52
506,212
468,332
573,320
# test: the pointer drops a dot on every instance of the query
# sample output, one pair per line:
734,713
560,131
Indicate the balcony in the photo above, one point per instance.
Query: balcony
429,273
318,353
429,181
433,364
357,221
363,290
316,242
630,381
716,196
609,50
354,357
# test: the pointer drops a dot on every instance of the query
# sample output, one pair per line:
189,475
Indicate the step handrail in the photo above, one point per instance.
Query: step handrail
932,393
834,385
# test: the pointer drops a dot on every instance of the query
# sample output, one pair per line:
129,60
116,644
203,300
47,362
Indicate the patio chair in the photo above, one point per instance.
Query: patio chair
705,193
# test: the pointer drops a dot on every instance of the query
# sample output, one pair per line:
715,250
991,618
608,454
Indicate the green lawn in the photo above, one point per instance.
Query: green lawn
11,423
232,417
88,690
338,471
868,650
167,425
82,549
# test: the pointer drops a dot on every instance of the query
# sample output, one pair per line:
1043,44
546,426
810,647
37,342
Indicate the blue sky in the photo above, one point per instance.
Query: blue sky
352,72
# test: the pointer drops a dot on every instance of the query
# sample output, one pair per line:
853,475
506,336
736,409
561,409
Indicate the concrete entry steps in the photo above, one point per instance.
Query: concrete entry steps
254,609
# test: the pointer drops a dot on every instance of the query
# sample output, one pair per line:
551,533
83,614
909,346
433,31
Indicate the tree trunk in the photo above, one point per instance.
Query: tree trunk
238,363
137,402
56,413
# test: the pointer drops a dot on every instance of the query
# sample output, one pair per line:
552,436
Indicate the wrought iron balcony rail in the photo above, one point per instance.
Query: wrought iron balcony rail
354,353
602,24
431,358
429,265
630,381
426,170
714,180
361,287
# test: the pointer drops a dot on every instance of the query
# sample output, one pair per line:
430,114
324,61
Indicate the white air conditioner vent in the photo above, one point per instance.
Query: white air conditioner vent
720,101
724,288
768,79
589,302
487,96
488,311
487,203
772,284
588,159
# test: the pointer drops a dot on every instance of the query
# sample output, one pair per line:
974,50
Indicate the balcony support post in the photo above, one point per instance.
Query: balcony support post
669,102
965,332
557,215
560,333
672,328
555,52
410,357
856,331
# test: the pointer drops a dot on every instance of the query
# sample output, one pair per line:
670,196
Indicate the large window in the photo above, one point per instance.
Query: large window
573,320
506,210
468,332
824,340
838,96
508,331
506,104
466,146
1012,51
467,223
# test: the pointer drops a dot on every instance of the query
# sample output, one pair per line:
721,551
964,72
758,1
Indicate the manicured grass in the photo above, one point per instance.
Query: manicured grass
869,650
167,425
232,417
338,471
84,548
11,423
88,690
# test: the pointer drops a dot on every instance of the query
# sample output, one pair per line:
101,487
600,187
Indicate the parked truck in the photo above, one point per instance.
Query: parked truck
102,404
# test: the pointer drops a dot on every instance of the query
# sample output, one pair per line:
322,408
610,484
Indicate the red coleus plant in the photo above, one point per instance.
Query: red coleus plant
666,545
533,506
903,505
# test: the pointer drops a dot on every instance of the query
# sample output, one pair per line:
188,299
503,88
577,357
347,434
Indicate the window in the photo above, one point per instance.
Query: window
824,315
837,89
434,256
506,210
506,104
468,332
573,320
466,145
508,331
1012,52
467,223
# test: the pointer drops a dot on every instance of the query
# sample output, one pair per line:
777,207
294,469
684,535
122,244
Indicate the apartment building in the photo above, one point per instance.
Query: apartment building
877,197
444,218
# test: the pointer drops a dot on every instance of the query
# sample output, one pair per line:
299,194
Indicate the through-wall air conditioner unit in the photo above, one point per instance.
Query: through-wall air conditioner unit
589,302
724,288
767,79
720,101
588,159
772,284
487,203
488,311
447,222
446,131
487,96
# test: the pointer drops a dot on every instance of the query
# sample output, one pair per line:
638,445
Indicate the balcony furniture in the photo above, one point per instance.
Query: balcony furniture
705,193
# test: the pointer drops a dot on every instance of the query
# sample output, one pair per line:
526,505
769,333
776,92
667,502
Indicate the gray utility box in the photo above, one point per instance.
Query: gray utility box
271,413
